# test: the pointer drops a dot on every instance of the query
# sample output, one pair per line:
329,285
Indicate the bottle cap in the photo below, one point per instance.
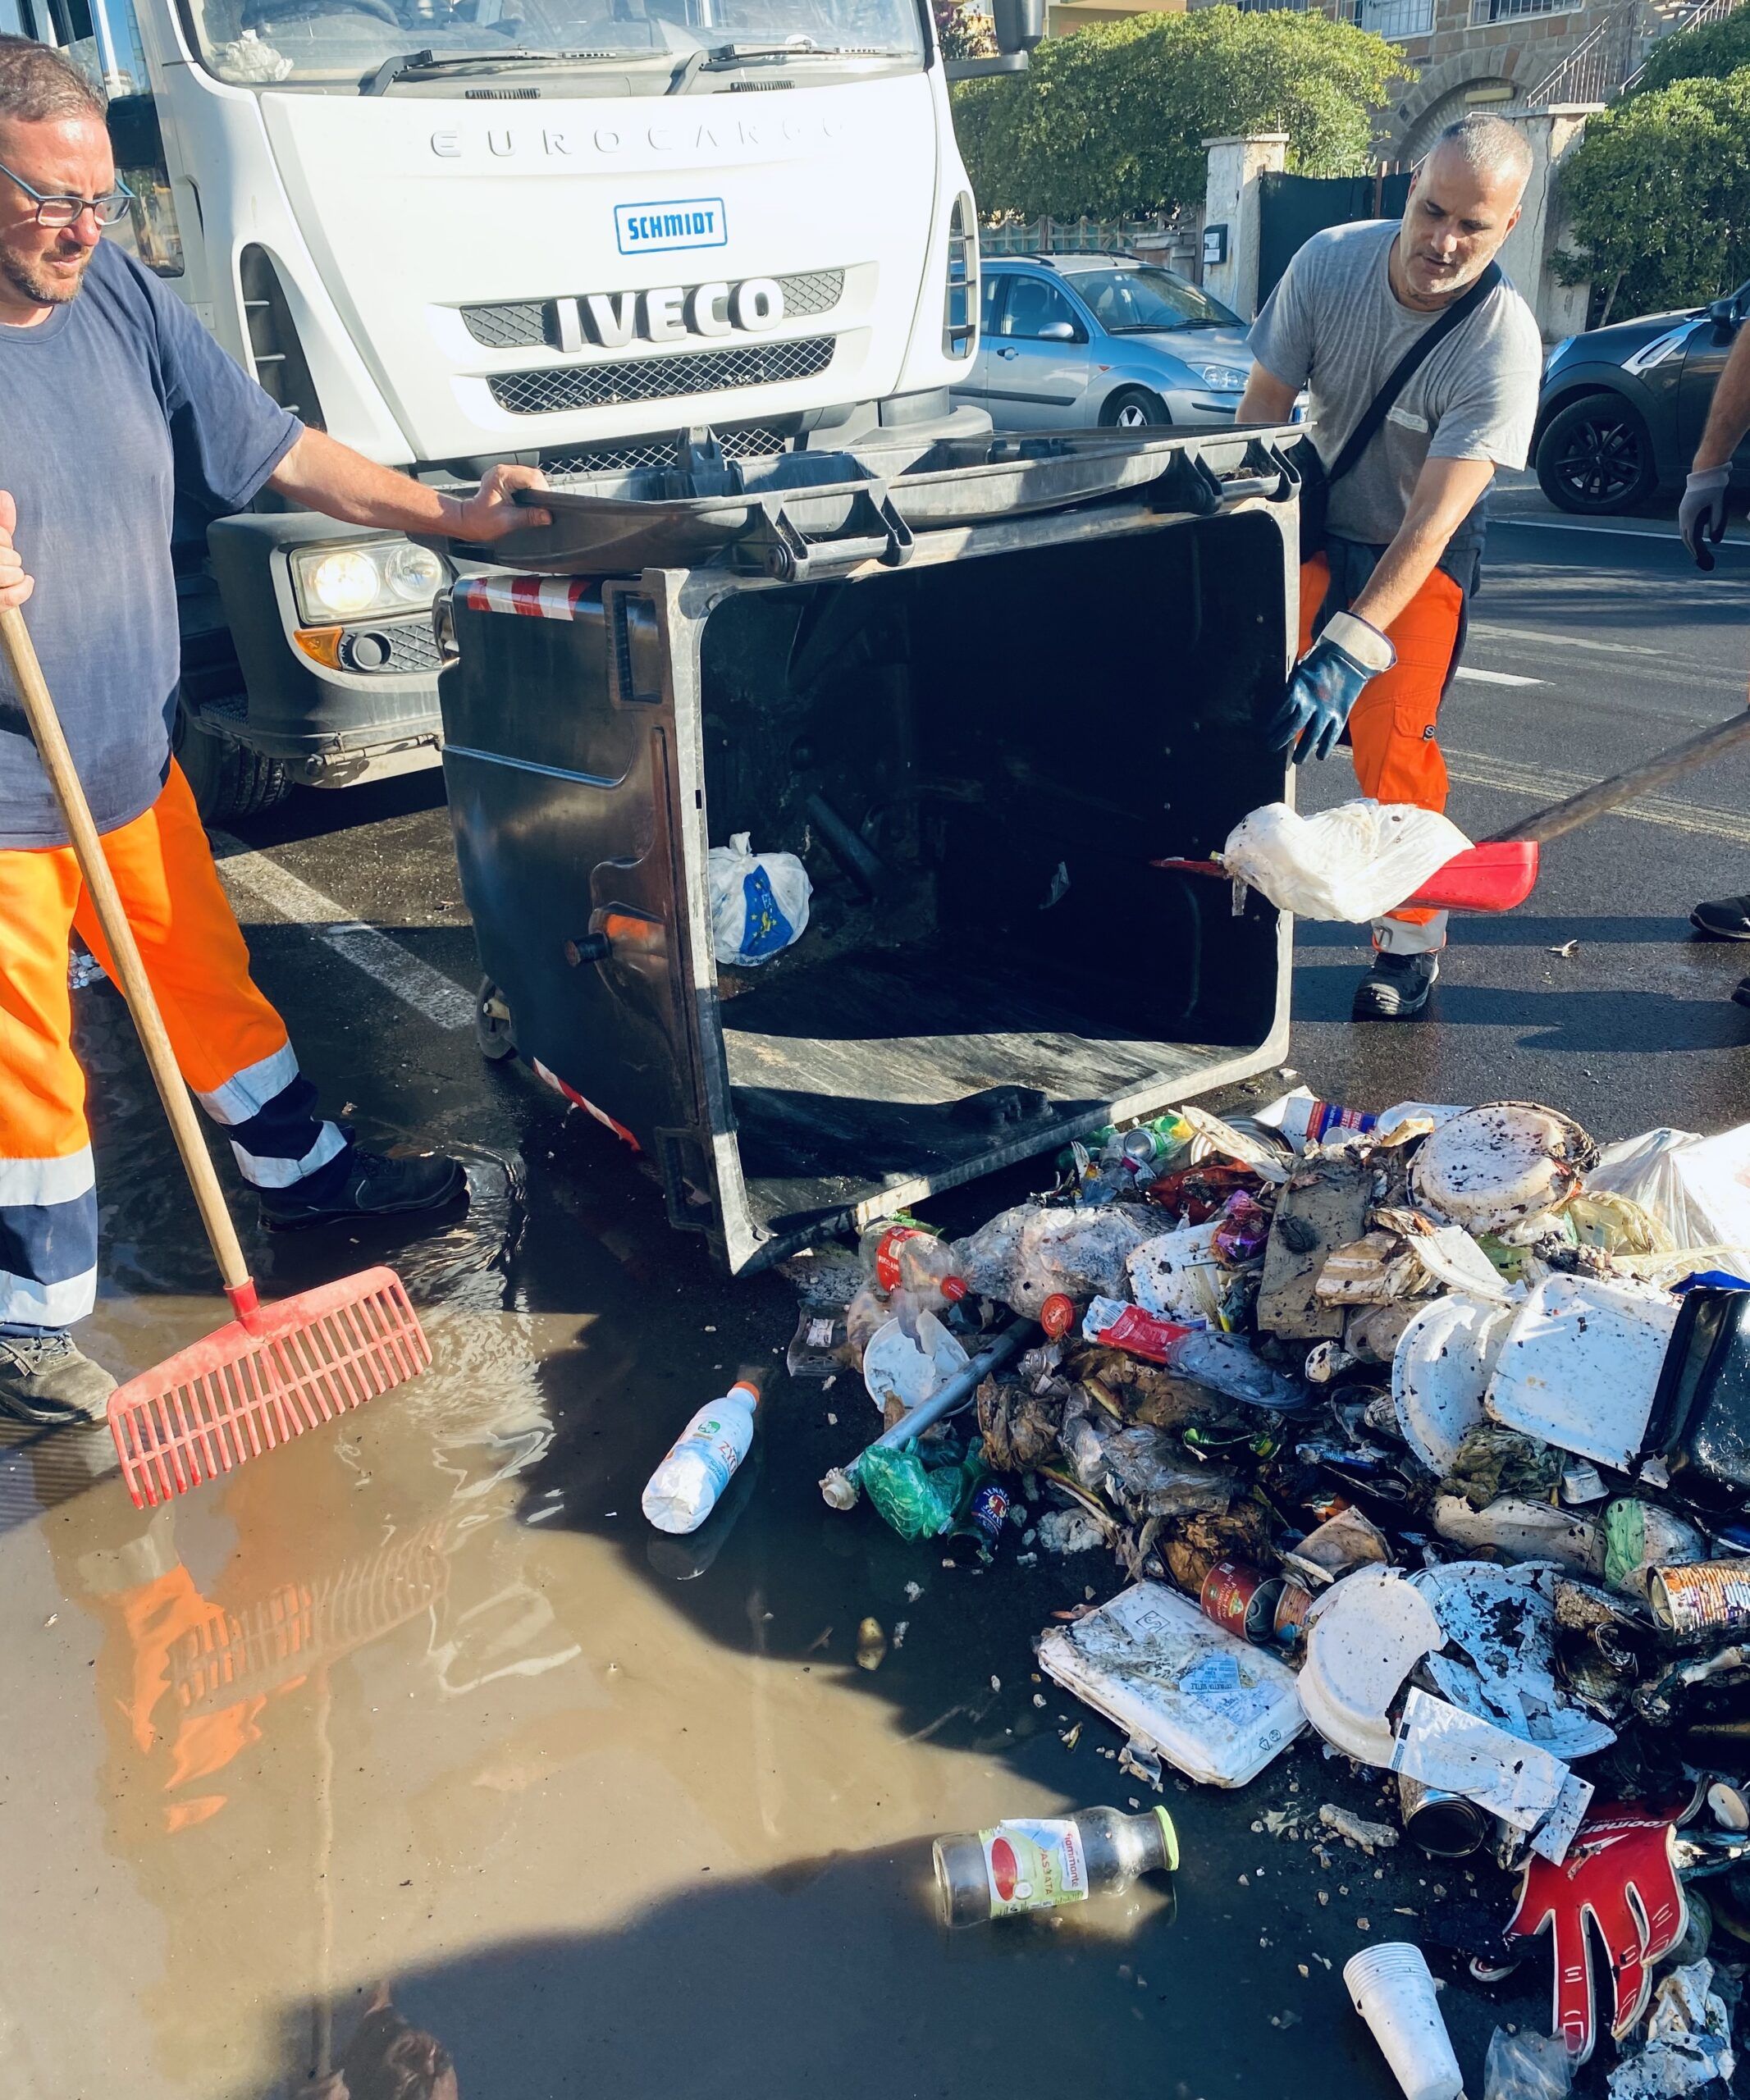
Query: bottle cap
747,1385
1170,1838
1057,1316
953,1289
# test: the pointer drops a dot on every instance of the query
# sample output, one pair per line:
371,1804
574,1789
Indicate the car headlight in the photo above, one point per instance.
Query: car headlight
371,577
1223,378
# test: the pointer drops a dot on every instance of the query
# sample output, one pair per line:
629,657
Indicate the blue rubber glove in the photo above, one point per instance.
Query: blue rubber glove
1327,682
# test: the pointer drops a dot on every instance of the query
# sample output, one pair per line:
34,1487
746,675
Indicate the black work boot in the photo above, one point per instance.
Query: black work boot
45,1380
1396,988
363,1184
1726,919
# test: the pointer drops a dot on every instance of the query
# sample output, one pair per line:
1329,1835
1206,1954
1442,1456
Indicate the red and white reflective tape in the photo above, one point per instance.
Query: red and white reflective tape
577,1101
539,597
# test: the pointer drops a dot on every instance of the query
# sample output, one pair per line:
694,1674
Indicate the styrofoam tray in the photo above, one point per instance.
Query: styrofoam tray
1215,1707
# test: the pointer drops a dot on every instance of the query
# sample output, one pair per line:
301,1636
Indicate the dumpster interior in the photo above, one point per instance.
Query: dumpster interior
977,762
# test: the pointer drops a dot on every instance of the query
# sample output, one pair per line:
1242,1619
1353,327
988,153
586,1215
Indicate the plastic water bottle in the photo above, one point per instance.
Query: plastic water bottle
1038,1864
684,1488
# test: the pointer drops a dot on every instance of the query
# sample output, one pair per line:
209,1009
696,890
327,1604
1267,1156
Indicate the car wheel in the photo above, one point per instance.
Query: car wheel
1134,408
229,780
1596,457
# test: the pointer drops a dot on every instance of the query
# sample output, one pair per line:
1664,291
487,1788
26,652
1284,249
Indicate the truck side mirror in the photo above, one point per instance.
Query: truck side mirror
1019,23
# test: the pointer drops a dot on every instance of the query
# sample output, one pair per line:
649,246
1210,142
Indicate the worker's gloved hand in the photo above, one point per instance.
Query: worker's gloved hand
1701,516
1326,684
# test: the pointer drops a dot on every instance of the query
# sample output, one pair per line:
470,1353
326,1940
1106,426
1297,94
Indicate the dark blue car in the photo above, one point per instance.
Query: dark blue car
1622,407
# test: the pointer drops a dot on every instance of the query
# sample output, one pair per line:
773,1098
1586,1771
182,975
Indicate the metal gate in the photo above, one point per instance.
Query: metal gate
1293,207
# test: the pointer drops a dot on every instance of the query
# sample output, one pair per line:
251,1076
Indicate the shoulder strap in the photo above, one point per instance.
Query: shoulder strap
1405,370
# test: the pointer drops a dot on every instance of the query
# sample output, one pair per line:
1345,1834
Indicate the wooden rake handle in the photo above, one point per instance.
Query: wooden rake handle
57,763
1599,800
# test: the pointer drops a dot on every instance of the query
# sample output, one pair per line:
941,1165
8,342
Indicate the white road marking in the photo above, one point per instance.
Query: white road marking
1606,531
1476,769
1495,677
427,991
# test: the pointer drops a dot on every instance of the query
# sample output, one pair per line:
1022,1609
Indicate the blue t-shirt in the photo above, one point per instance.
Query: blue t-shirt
111,409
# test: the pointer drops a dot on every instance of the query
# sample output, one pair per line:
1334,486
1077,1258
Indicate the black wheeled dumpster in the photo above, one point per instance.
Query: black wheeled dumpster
980,693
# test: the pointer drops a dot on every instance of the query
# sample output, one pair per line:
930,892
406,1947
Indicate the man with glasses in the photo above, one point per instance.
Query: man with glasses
115,405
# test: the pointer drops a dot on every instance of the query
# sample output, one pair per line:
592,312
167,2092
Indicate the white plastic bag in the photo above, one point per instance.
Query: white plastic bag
1697,1187
759,901
1351,863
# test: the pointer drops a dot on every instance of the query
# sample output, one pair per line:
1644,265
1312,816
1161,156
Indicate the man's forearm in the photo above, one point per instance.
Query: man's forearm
324,475
1729,418
1445,496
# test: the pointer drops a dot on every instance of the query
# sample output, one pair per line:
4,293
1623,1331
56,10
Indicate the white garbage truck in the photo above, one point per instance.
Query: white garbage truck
566,232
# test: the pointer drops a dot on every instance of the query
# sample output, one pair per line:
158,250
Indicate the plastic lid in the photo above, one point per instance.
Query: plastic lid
1172,1838
1057,1316
747,1386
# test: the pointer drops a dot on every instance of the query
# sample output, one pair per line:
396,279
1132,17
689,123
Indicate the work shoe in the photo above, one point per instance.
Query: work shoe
365,1185
1742,995
46,1380
1726,919
1395,987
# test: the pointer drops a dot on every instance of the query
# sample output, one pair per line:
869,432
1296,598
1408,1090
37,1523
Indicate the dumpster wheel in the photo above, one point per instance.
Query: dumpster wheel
494,1032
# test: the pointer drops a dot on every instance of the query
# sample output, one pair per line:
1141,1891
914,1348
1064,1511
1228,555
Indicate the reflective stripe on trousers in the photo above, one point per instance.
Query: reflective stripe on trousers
230,1043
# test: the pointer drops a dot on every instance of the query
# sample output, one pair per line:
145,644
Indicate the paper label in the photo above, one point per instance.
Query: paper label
1034,1866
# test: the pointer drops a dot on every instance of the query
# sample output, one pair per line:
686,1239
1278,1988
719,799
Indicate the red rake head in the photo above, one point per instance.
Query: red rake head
249,1386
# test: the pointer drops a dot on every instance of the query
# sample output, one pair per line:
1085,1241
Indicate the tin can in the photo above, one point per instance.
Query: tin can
1242,1600
1292,1609
987,1509
1445,1825
1706,1597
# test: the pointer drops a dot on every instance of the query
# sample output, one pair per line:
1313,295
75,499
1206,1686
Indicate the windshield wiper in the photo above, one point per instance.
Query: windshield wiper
417,64
722,55
1156,327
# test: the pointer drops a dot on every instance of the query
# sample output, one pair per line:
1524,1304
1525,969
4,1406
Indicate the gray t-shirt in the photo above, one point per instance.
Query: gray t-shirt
1334,326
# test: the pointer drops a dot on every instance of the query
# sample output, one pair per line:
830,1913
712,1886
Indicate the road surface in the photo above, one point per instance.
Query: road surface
420,1702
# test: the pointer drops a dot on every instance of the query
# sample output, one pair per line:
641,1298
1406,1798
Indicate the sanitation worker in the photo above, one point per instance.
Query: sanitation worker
1407,455
114,403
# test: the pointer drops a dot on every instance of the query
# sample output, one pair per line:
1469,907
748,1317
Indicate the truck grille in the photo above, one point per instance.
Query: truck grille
760,441
659,379
533,324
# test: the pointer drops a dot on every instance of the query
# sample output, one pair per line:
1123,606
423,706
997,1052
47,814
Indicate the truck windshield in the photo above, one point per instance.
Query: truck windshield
1128,302
644,45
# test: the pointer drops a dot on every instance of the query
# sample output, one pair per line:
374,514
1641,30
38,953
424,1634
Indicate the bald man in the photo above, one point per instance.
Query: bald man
1382,603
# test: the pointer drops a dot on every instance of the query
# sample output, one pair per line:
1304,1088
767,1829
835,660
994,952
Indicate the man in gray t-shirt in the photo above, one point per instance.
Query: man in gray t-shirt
1383,603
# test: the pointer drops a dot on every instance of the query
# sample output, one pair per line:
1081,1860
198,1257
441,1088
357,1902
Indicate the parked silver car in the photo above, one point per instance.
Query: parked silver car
1071,340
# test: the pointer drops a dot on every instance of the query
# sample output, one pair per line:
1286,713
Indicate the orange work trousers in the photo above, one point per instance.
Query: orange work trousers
1391,731
230,1043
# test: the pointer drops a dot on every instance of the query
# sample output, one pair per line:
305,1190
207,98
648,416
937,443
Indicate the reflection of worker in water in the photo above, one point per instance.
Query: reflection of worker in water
389,2058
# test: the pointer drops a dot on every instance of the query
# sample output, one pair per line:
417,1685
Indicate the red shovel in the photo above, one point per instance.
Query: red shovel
1499,873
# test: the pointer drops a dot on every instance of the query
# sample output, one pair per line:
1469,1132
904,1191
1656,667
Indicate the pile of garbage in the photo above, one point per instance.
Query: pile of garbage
1429,1430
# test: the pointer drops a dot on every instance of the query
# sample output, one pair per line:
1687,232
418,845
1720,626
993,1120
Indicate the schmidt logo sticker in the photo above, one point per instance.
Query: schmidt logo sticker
688,222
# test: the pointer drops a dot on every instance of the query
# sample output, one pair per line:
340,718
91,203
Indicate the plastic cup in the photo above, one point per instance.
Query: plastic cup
1391,1988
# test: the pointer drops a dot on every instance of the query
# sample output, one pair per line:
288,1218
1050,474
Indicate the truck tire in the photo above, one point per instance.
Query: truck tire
1133,407
229,779
1595,458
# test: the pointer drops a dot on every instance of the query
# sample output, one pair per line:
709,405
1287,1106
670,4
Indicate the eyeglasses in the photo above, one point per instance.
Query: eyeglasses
109,210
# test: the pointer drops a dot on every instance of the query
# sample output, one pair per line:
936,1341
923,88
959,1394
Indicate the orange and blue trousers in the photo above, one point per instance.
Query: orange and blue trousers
231,1044
1391,731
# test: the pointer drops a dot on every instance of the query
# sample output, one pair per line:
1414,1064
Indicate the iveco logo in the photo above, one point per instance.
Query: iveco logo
609,321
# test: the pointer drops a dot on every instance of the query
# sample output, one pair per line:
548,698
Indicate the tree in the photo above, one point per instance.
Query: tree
1111,120
1658,195
1706,54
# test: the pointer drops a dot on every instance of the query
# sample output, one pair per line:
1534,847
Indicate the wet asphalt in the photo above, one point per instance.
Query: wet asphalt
419,1704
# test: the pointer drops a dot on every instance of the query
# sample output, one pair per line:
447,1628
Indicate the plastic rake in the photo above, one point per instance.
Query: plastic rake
274,1371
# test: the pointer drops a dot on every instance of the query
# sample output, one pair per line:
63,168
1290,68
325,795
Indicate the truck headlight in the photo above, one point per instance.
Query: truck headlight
1224,378
368,576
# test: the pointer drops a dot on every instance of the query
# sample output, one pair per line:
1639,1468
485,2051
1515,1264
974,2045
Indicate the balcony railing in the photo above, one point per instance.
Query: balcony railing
1397,20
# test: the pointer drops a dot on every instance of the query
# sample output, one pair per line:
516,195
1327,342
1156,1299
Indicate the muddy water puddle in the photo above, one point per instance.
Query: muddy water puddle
415,1723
